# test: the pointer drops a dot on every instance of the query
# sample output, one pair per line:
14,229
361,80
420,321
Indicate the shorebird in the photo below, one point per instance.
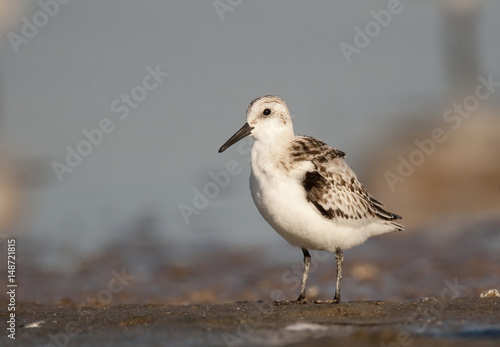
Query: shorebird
305,190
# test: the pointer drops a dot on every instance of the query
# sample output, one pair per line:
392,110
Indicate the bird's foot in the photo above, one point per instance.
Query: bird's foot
300,301
334,301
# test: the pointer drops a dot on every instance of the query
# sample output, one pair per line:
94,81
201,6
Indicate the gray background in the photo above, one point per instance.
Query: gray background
65,79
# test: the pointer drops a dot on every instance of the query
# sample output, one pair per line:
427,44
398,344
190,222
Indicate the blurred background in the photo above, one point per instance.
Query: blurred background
111,115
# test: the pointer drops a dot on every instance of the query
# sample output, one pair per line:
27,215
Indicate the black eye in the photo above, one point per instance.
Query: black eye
266,112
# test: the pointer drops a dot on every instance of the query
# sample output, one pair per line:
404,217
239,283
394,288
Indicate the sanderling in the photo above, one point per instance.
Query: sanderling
305,190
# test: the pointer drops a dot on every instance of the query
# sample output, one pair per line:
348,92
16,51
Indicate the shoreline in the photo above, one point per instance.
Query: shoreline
464,321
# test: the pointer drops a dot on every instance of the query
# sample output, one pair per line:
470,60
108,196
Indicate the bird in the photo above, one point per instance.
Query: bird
306,191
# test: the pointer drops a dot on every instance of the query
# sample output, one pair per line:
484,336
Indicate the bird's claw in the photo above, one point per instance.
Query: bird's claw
300,301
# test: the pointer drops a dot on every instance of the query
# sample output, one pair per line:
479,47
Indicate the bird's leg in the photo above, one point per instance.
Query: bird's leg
339,258
302,297
307,265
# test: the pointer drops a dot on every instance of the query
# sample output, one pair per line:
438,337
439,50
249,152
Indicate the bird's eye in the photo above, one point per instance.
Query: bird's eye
266,112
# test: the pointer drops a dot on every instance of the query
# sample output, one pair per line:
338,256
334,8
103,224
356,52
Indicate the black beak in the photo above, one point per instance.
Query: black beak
244,131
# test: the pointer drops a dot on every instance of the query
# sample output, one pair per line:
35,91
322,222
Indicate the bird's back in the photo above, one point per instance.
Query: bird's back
333,188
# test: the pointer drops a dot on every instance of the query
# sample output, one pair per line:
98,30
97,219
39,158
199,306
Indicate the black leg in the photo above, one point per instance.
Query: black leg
339,258
307,265
302,297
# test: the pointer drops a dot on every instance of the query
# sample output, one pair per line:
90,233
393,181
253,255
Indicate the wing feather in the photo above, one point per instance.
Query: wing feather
333,188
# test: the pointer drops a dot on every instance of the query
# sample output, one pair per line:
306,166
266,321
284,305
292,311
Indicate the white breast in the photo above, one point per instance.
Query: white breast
279,195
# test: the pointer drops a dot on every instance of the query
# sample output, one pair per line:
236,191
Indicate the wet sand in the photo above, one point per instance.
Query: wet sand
415,288
459,322
461,260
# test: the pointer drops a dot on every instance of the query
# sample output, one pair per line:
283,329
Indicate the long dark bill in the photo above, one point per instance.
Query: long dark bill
244,131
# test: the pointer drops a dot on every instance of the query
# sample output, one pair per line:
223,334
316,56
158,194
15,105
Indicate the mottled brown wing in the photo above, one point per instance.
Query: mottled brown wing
332,187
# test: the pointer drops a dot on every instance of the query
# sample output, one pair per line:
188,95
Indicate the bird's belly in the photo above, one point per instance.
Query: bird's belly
283,204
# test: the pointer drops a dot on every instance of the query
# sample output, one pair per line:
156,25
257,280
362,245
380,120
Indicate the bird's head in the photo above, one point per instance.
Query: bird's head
268,119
